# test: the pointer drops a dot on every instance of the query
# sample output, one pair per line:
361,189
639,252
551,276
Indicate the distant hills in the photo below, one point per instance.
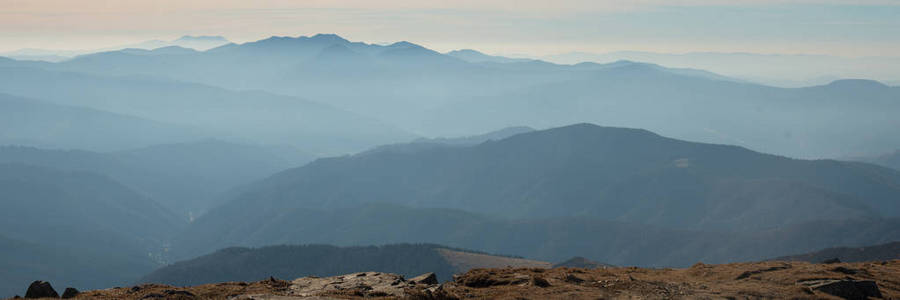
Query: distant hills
582,186
200,43
786,70
547,239
881,252
248,116
92,219
615,173
460,93
890,160
477,139
186,178
245,264
581,262
78,228
31,122
475,56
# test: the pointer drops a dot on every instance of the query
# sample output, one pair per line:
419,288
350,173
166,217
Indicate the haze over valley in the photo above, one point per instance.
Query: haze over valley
197,157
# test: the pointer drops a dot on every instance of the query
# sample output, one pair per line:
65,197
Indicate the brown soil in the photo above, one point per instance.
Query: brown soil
781,280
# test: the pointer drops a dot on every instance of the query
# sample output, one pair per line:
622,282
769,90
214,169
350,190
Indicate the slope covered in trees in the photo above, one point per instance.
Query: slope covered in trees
77,228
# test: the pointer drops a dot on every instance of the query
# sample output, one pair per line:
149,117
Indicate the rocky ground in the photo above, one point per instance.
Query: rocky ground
798,280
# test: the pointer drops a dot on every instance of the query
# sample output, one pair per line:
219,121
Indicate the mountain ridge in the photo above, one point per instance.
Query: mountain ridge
573,179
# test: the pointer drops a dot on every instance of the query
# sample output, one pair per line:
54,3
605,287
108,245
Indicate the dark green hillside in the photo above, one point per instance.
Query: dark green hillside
554,239
586,170
622,196
289,262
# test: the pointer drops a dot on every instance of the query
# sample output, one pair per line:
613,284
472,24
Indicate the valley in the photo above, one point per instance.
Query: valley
323,166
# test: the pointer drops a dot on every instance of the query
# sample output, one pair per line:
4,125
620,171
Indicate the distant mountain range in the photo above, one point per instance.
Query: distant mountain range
619,174
31,122
594,184
581,262
477,139
200,43
461,93
889,251
186,178
474,56
248,116
786,70
890,160
70,206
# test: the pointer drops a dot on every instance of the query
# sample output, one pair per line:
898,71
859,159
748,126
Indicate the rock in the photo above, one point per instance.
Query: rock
70,293
832,261
846,288
540,282
484,279
365,284
427,278
276,297
41,289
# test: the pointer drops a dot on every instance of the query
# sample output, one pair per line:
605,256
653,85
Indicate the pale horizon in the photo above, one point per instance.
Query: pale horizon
531,28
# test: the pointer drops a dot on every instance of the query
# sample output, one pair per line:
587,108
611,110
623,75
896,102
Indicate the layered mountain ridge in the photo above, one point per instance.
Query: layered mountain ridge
432,94
595,184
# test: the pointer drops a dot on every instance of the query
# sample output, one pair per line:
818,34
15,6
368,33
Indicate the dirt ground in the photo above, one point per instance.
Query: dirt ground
778,280
773,280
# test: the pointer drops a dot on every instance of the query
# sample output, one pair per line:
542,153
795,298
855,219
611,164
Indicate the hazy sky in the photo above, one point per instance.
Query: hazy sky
847,28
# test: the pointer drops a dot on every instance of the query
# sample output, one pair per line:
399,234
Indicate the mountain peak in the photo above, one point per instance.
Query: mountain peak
328,37
321,38
465,52
589,127
404,44
476,56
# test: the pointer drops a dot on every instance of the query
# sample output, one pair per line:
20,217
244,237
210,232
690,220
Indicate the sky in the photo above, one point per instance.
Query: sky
523,27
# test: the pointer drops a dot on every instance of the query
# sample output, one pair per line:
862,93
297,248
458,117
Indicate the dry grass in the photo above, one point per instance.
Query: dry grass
465,261
774,280
777,280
